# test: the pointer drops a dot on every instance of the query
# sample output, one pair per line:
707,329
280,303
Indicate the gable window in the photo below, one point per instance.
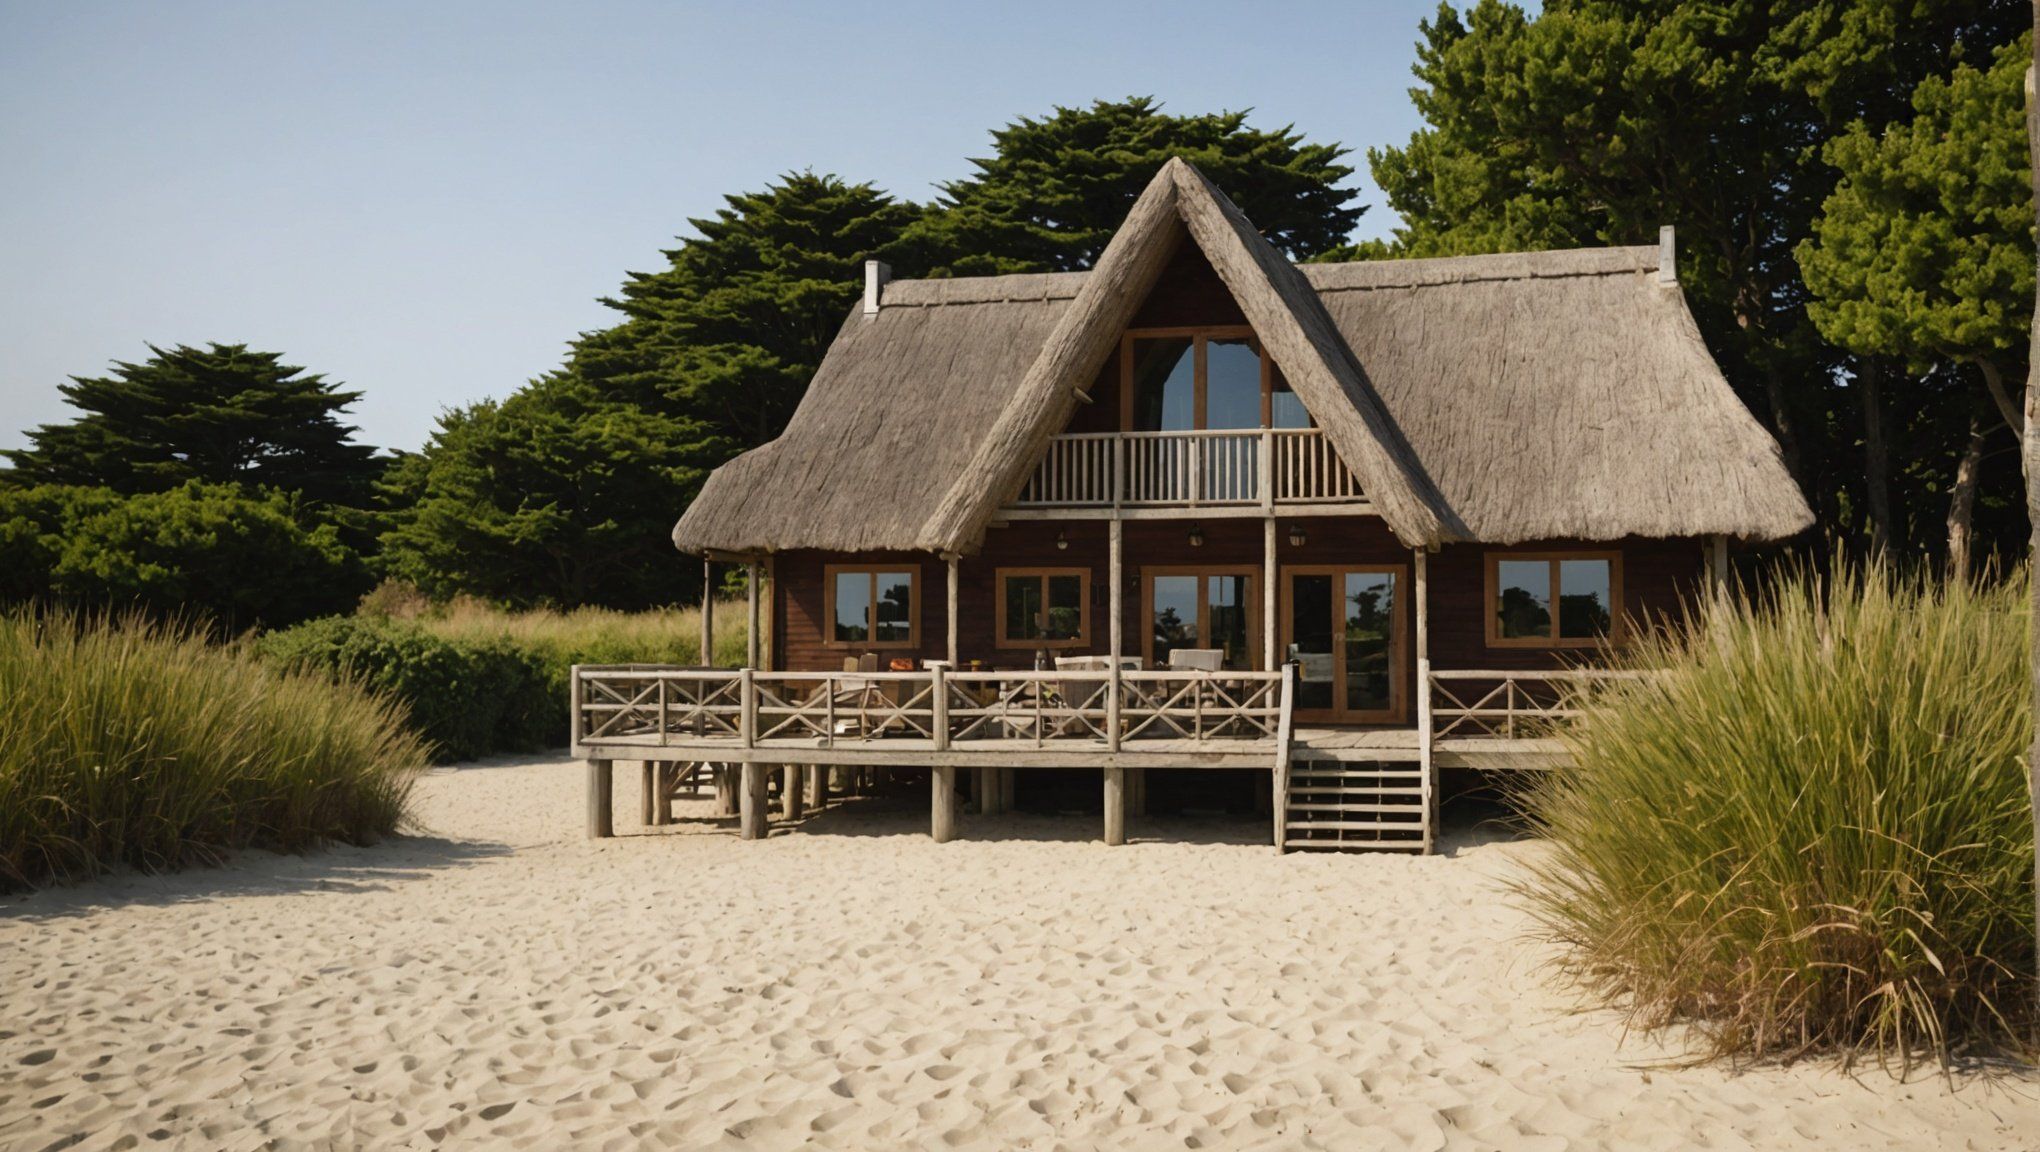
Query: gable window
1186,379
1044,607
1553,599
872,607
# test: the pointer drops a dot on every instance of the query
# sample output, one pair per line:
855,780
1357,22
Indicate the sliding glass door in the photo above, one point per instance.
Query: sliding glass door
1203,608
1343,629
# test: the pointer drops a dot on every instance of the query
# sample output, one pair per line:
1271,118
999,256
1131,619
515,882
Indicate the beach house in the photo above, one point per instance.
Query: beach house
1201,508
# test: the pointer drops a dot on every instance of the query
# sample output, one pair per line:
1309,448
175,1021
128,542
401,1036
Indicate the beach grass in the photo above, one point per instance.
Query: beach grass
125,741
1811,832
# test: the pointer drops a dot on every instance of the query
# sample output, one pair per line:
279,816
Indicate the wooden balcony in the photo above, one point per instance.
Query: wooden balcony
1243,472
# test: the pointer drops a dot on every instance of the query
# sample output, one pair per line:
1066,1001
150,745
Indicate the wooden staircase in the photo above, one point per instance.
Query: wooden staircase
1356,804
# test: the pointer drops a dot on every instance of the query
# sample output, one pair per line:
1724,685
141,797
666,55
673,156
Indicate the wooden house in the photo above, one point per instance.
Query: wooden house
1203,507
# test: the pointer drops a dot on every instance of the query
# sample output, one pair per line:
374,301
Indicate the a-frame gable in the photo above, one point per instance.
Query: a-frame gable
1279,305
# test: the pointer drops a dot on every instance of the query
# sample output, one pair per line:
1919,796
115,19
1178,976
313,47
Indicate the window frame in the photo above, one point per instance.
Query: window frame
1492,566
1148,572
1198,335
871,572
1001,639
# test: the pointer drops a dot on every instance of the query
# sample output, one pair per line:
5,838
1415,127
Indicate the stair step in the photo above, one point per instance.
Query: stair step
1407,809
1355,826
1388,845
1357,790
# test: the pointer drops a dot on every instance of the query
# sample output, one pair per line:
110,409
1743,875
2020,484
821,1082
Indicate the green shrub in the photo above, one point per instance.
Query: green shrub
1811,832
476,679
469,697
126,742
213,551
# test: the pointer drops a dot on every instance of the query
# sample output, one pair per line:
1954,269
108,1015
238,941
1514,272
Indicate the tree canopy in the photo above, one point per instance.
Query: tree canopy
219,415
1054,190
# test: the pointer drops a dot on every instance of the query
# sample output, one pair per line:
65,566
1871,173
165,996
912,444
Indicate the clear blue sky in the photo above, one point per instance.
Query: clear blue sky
424,200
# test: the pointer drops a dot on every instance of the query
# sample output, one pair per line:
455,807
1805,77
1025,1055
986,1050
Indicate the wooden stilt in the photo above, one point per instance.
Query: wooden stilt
1115,806
600,782
753,818
648,785
1006,776
1136,783
818,787
942,804
668,779
725,790
792,792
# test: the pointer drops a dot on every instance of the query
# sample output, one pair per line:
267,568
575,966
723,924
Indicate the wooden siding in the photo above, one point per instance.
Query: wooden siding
1656,574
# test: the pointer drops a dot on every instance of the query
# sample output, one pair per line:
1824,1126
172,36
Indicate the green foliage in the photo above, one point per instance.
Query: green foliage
1596,121
1811,832
467,698
550,497
1925,248
1055,189
129,743
476,680
211,551
222,415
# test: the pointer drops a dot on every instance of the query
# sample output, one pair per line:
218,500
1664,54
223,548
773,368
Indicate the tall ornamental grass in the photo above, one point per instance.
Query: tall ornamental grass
124,742
1811,832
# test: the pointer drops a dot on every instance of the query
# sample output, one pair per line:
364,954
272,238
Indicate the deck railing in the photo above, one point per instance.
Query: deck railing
1510,704
934,709
1265,466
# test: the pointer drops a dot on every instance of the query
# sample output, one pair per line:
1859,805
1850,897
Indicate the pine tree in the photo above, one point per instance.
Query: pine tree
221,415
1055,189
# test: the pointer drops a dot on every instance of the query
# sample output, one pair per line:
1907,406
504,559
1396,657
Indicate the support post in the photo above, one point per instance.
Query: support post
647,799
600,782
1425,725
1136,783
1717,563
951,650
942,803
1005,789
818,787
1269,631
751,645
1115,806
753,818
792,792
707,612
725,791
1116,585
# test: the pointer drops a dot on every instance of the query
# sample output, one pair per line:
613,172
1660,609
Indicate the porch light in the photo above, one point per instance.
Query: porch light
1296,537
1062,541
1197,536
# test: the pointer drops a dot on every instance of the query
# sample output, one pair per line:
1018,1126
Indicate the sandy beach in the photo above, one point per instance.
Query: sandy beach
499,982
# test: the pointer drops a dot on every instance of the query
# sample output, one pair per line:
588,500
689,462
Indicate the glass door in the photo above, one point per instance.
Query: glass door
1342,627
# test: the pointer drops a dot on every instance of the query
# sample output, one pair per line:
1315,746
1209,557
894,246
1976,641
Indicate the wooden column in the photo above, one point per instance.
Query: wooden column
753,819
1136,783
649,772
1426,773
995,791
818,787
1116,585
600,782
1006,787
707,612
942,803
1270,633
751,642
792,792
1115,806
1717,562
725,790
951,650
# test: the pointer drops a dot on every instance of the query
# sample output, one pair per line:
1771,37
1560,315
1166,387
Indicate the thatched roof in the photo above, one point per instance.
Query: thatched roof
1496,398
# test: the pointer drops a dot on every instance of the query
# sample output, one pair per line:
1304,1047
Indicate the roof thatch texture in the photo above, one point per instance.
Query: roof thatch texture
1561,395
1498,398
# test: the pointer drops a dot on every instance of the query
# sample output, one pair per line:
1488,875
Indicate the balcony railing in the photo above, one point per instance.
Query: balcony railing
1265,466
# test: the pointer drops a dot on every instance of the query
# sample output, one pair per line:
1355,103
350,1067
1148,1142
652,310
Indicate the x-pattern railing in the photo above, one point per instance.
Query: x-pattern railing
1511,704
946,709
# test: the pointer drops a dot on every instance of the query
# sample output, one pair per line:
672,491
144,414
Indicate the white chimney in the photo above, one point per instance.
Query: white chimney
1667,257
877,274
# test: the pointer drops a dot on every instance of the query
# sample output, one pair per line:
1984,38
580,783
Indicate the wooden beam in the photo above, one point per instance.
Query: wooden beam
1717,562
1269,632
942,803
725,790
1115,806
707,612
1010,515
751,593
1115,574
648,772
753,821
600,782
953,581
818,787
